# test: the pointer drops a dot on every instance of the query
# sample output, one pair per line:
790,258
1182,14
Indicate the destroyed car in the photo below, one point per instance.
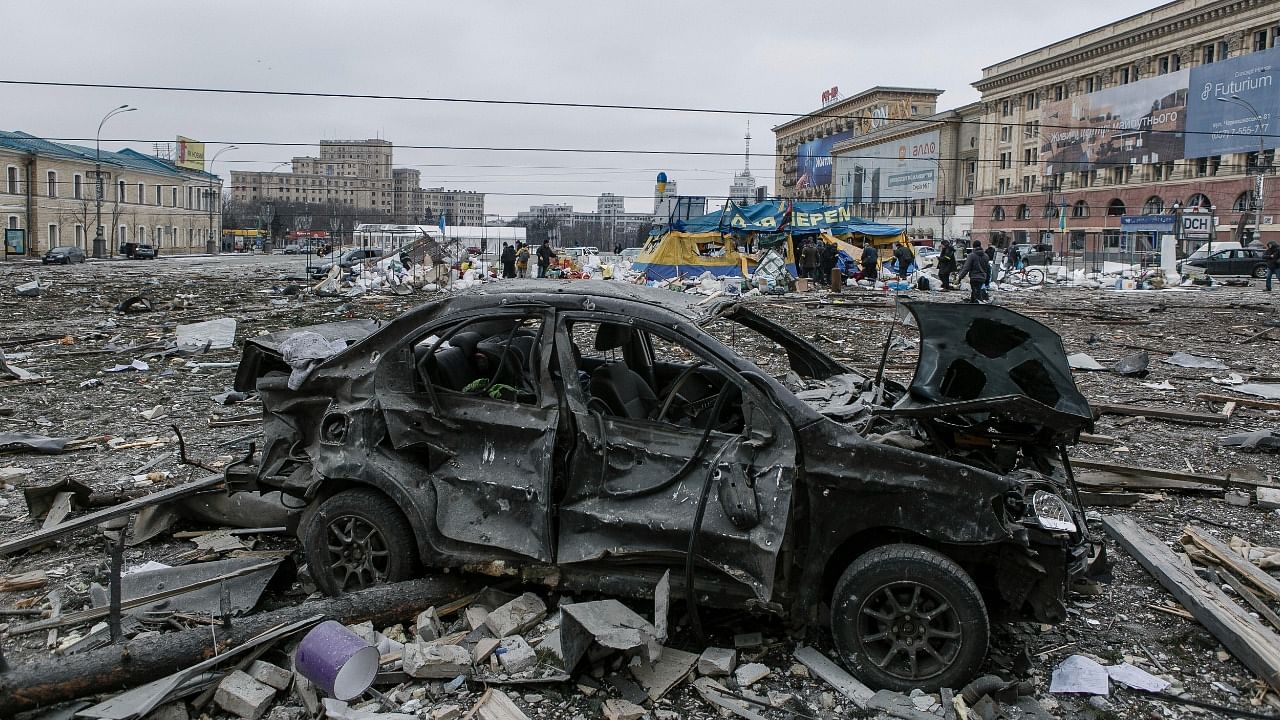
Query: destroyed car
596,435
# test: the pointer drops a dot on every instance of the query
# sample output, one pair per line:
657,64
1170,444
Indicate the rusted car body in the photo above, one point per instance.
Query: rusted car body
597,435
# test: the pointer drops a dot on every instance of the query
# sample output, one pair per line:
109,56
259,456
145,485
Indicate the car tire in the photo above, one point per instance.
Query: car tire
1260,271
904,617
355,539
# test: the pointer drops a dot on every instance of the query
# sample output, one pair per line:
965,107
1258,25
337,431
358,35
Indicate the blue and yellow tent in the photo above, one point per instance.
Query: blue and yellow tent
715,242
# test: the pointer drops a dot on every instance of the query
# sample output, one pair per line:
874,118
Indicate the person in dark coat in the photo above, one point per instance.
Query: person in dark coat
1272,257
870,261
809,261
978,268
904,257
508,258
545,253
826,261
946,263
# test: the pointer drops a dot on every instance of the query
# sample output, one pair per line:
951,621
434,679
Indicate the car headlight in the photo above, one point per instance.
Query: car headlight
1051,512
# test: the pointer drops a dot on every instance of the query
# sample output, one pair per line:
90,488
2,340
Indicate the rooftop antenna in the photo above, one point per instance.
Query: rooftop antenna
747,164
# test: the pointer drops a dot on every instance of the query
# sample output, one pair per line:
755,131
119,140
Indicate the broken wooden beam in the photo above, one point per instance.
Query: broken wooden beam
46,681
1235,562
1179,475
1246,637
1241,401
1159,413
125,508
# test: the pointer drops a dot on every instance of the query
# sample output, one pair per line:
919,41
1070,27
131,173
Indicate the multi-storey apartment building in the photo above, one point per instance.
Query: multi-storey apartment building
48,192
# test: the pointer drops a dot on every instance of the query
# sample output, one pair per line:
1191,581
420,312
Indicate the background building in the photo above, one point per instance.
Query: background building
608,227
920,174
48,191
743,188
460,207
1098,142
803,164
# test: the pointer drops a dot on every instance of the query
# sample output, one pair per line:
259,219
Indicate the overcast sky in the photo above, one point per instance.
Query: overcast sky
745,54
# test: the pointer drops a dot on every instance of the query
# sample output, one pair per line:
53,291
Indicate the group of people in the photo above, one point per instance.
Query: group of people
817,260
515,259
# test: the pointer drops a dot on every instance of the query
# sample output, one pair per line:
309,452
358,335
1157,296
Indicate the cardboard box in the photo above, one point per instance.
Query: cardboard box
802,285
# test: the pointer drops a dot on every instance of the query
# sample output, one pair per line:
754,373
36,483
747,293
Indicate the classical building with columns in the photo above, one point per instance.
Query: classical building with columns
1102,141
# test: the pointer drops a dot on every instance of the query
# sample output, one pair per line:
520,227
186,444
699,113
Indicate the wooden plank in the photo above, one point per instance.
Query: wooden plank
1241,401
125,508
1108,499
1252,574
1141,471
1248,639
1159,413
1099,480
825,668
1254,601
1093,439
495,705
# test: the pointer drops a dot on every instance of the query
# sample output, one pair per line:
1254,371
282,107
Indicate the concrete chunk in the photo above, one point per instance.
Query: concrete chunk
475,616
717,662
610,624
429,625
1237,498
516,616
268,674
435,661
1268,498
241,695
751,673
658,678
484,648
619,709
515,654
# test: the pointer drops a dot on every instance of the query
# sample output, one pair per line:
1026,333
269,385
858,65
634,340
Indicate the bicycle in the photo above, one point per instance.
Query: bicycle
1024,276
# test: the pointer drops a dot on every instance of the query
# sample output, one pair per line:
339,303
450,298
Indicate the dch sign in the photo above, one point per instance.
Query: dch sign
1196,226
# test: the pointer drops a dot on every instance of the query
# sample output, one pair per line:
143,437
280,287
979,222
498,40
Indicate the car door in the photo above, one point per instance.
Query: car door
639,486
467,402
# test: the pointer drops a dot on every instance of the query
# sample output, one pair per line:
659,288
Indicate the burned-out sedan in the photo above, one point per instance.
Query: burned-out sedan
596,435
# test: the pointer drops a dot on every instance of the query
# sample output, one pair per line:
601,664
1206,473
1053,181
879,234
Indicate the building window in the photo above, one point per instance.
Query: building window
1080,209
1123,74
1032,100
1162,66
142,233
13,222
1093,83
1060,91
173,196
53,235
1029,156
1175,62
1224,50
1024,212
11,177
1153,206
53,184
159,201
1031,130
1028,183
79,236
120,191
1207,54
1006,108
1199,200
142,194
1006,160
1115,208
1242,202
77,188
1260,41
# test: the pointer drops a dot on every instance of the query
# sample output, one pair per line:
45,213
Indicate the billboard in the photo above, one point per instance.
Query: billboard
1141,122
190,154
1219,120
905,169
813,160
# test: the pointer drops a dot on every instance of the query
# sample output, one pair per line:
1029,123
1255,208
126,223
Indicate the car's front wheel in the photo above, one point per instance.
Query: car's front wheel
1260,271
355,539
904,617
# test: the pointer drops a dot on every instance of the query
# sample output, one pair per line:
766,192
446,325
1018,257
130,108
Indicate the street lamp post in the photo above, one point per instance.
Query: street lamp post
1258,187
210,246
100,242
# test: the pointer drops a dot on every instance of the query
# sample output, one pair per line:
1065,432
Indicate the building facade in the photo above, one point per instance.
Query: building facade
48,192
920,174
1102,141
608,227
460,207
803,165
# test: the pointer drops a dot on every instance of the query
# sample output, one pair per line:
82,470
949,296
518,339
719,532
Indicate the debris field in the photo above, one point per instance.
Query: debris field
116,385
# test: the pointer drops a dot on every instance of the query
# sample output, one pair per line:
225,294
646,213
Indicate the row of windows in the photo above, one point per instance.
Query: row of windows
1154,205
195,195
160,234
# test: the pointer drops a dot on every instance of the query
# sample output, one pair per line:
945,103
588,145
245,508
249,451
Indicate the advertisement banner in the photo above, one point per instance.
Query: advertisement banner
905,169
1141,122
1219,120
15,241
813,160
190,154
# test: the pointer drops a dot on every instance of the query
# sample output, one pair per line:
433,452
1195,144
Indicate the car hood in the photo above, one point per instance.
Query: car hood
262,354
989,361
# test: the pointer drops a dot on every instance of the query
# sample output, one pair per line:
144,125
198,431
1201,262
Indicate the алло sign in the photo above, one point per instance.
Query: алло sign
1215,127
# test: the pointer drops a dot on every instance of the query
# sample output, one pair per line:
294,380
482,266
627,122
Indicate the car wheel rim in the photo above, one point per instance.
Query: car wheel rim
358,552
909,630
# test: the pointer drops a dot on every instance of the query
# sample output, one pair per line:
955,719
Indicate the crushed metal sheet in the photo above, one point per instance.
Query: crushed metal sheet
244,590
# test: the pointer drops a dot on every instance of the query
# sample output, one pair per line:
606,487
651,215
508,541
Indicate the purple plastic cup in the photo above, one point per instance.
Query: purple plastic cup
337,660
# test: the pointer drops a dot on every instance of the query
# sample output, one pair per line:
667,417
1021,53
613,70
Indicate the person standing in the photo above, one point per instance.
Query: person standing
1272,257
508,258
946,263
826,261
809,261
870,260
978,268
545,253
903,256
522,259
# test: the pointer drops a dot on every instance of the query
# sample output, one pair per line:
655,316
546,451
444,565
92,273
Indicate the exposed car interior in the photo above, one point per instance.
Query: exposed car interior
493,357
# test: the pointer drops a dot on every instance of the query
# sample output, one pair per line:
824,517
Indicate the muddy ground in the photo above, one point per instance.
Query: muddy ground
71,333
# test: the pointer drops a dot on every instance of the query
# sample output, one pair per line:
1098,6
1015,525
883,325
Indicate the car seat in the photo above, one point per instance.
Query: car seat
623,391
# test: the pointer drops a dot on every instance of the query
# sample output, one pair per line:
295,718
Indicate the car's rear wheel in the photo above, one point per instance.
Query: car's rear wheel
1260,271
905,617
355,539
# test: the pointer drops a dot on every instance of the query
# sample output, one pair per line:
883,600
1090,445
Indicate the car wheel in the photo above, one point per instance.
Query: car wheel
355,539
1260,271
905,617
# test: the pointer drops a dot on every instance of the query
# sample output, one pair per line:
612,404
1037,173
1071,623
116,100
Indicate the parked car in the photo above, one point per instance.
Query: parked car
603,434
578,251
346,260
292,249
630,254
1035,254
145,252
1238,261
64,254
1205,249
